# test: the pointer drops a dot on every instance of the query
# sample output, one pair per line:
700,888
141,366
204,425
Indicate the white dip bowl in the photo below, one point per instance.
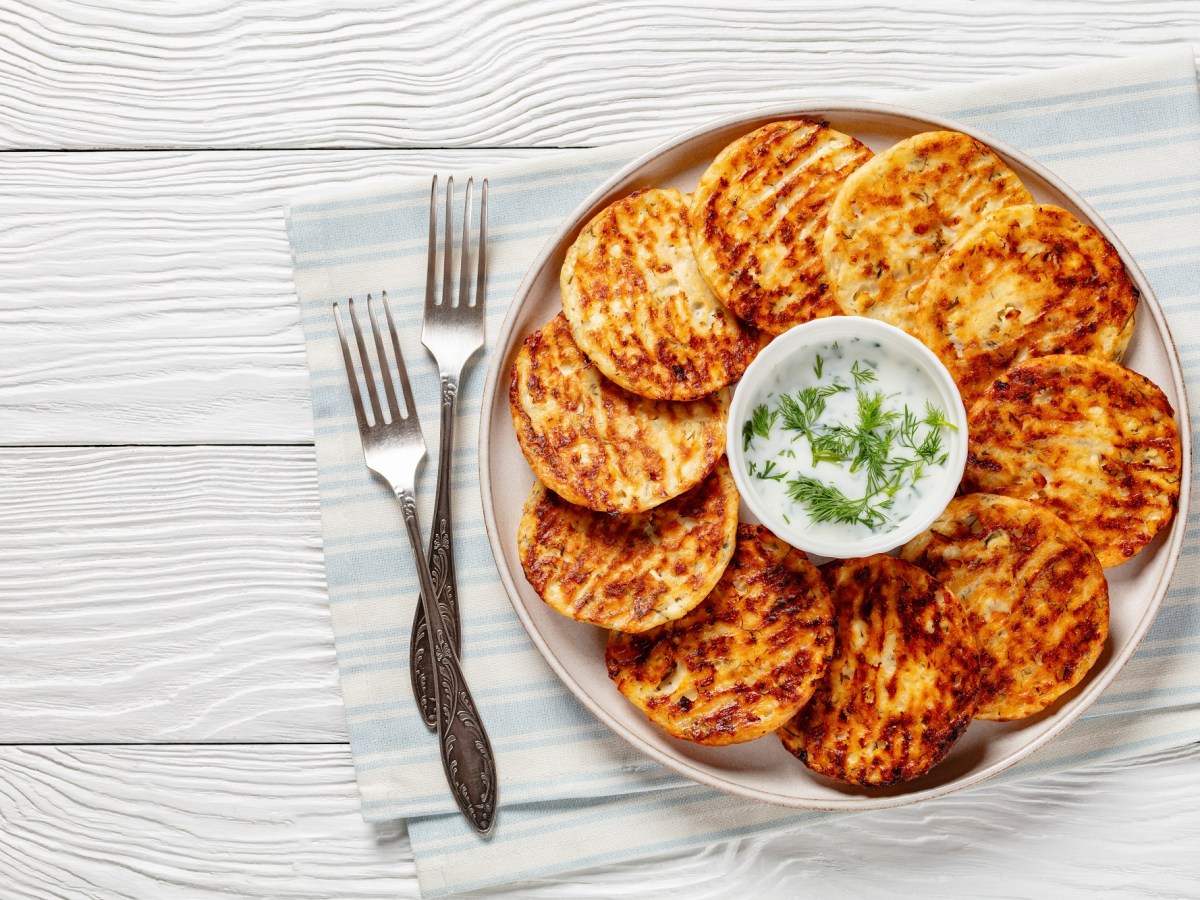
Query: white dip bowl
785,366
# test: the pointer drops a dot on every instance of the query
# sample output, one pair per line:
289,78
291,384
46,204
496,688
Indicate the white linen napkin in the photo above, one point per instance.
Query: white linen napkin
1125,134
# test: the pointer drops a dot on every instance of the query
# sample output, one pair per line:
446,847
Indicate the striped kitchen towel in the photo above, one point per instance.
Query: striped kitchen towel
1125,134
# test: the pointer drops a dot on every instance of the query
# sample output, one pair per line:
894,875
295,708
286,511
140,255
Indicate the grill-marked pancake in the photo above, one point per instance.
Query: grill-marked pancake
629,573
903,682
896,214
758,216
596,444
1092,441
1025,281
640,309
1035,592
741,663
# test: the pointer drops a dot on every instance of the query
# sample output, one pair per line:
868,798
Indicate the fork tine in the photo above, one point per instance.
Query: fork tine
482,266
351,371
448,245
368,375
410,411
384,375
464,252
431,265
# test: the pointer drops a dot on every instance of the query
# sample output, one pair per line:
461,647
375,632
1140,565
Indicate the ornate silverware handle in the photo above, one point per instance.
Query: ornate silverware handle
465,748
441,565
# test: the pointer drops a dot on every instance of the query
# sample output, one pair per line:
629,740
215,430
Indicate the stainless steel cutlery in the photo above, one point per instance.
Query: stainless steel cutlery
393,447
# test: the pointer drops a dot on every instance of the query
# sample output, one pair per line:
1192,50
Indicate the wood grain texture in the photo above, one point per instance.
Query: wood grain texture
148,298
282,822
189,822
164,594
374,73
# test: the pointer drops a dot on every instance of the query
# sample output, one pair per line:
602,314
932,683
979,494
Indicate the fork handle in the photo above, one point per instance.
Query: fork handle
441,566
466,751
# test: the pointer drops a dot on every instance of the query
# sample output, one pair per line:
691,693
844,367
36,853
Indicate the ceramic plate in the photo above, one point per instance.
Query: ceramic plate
762,769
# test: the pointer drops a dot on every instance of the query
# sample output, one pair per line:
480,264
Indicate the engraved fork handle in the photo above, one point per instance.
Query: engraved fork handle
465,749
441,566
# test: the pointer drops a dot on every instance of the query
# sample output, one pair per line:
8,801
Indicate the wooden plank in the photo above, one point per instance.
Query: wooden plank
282,822
259,73
147,297
164,594
189,822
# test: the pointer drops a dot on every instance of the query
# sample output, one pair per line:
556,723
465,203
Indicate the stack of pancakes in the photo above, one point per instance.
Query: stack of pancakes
868,669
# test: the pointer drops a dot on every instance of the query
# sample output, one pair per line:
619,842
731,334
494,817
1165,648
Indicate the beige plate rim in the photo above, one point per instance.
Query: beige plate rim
497,378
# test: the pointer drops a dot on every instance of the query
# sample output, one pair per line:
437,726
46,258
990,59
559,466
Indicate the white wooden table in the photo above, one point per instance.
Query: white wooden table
168,695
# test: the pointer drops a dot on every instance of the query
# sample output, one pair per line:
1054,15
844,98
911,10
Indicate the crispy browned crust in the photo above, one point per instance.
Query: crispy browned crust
758,215
598,445
741,663
633,572
903,682
1090,440
895,215
1035,592
640,309
1025,281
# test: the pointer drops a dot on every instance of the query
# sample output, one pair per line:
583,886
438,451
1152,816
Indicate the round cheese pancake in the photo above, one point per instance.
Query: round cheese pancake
1092,441
896,214
629,573
758,215
1035,592
741,663
640,309
596,444
903,682
1025,281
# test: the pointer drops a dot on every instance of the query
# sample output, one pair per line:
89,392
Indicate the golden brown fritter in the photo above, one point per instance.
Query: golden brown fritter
758,216
632,572
741,663
1035,592
596,444
895,215
1025,281
1092,441
640,309
903,682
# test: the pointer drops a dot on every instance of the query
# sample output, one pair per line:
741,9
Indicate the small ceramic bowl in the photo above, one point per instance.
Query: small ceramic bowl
938,483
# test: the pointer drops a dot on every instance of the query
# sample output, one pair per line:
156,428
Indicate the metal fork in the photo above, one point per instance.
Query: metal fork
452,333
393,447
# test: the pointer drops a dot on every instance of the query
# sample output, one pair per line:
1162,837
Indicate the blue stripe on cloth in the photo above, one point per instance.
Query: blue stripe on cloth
1184,83
1124,121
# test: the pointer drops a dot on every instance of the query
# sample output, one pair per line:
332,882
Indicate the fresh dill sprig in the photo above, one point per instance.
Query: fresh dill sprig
936,418
768,472
800,412
862,375
931,447
826,503
873,435
820,366
908,427
758,425
832,445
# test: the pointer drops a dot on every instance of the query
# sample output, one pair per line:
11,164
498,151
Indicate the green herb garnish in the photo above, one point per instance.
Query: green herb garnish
862,376
758,425
892,447
768,472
